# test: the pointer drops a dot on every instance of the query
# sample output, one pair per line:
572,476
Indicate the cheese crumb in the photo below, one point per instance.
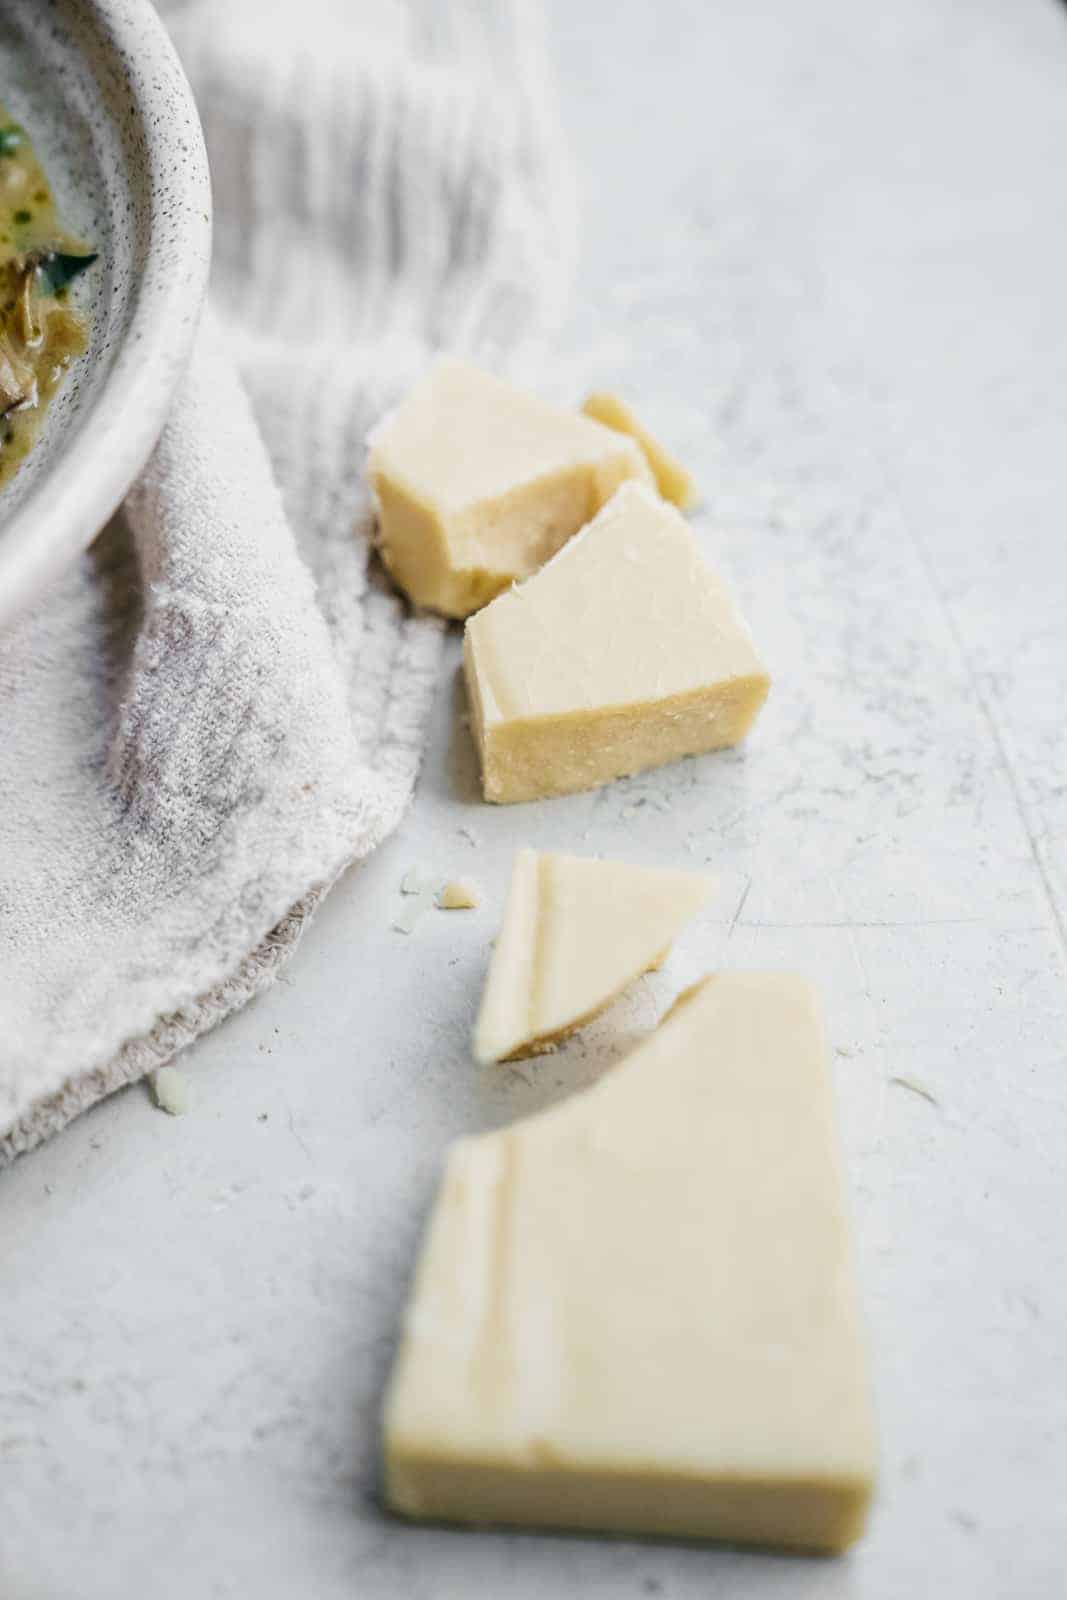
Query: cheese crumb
171,1091
457,895
672,480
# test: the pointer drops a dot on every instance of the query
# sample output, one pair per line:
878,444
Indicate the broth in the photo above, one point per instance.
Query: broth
40,332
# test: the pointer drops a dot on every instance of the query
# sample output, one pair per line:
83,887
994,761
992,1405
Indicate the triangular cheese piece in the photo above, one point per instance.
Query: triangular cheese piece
636,1312
477,483
575,933
624,652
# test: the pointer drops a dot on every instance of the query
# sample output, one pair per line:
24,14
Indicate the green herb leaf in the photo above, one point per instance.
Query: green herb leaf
10,140
57,269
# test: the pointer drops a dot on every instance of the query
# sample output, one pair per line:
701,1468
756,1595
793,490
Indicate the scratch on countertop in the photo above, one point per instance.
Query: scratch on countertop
916,1086
981,700
923,922
746,891
295,1132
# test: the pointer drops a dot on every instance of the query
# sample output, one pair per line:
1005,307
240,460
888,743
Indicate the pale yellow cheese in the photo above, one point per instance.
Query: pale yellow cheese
624,652
458,895
477,484
672,480
575,933
636,1312
171,1090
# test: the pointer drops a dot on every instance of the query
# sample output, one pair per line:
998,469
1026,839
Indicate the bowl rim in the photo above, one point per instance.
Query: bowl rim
61,515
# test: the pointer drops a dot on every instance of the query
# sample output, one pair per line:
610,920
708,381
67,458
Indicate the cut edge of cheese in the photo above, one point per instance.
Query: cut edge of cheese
637,1312
576,932
672,480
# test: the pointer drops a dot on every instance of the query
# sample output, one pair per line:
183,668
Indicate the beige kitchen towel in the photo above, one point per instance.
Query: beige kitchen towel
222,706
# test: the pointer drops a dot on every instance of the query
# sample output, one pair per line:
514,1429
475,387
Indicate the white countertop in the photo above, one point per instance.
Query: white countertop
826,252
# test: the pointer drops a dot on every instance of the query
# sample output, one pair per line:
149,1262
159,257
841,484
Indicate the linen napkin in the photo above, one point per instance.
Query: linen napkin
222,706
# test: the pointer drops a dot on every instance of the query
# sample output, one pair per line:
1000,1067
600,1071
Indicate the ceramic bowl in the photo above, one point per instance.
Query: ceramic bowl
98,87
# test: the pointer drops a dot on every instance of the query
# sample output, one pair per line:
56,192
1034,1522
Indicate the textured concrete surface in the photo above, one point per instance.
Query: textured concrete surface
826,248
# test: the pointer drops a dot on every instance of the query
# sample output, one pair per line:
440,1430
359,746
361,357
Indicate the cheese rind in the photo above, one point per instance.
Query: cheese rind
626,651
575,933
477,484
672,480
636,1312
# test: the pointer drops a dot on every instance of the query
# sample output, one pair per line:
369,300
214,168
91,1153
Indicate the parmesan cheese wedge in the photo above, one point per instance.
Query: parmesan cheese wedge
624,652
575,933
636,1312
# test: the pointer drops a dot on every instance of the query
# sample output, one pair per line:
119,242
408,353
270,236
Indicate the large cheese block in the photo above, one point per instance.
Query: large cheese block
575,933
477,484
624,652
636,1312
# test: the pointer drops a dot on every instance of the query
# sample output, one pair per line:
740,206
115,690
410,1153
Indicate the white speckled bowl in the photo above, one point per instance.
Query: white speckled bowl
98,87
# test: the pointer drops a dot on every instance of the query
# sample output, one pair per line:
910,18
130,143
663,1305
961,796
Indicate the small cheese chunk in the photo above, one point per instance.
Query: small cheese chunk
171,1090
672,480
478,484
636,1312
575,934
626,651
457,895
